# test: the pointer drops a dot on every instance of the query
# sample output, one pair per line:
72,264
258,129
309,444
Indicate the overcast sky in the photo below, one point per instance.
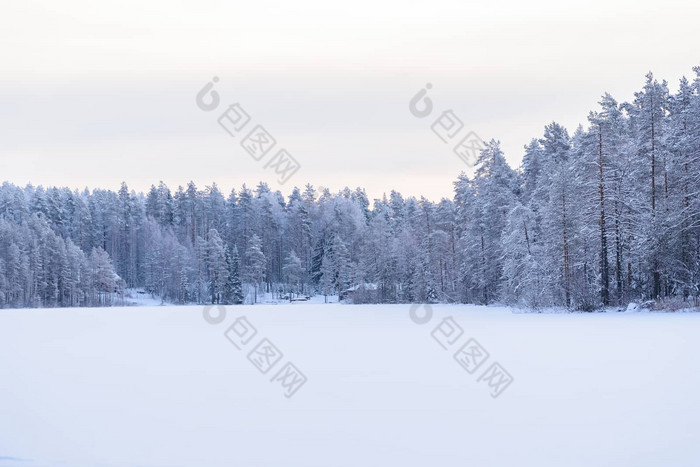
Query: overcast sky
93,93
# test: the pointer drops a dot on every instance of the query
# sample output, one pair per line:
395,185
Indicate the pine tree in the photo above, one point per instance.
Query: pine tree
234,289
292,270
255,269
216,265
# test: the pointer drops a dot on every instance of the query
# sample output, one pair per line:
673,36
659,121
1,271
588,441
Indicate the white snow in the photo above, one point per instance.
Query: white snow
139,297
157,386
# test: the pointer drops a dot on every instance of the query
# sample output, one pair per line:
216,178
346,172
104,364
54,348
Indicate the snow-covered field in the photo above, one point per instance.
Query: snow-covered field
161,386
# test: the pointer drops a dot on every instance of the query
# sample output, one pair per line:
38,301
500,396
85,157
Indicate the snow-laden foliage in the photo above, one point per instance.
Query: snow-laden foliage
604,216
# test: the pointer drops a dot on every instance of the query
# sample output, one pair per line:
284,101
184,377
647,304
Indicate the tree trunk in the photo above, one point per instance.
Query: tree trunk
604,266
567,291
483,270
656,275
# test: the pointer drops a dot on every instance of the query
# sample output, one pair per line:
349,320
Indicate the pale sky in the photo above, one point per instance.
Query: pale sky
93,93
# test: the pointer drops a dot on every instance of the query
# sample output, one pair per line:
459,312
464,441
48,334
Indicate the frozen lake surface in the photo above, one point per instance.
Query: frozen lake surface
347,385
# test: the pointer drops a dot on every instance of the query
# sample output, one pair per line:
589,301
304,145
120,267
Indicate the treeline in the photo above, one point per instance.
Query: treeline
39,268
605,216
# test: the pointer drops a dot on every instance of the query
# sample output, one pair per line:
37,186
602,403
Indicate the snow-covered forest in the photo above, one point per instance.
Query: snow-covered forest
604,215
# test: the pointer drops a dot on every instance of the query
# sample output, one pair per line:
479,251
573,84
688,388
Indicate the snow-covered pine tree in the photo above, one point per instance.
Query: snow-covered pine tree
255,268
233,290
